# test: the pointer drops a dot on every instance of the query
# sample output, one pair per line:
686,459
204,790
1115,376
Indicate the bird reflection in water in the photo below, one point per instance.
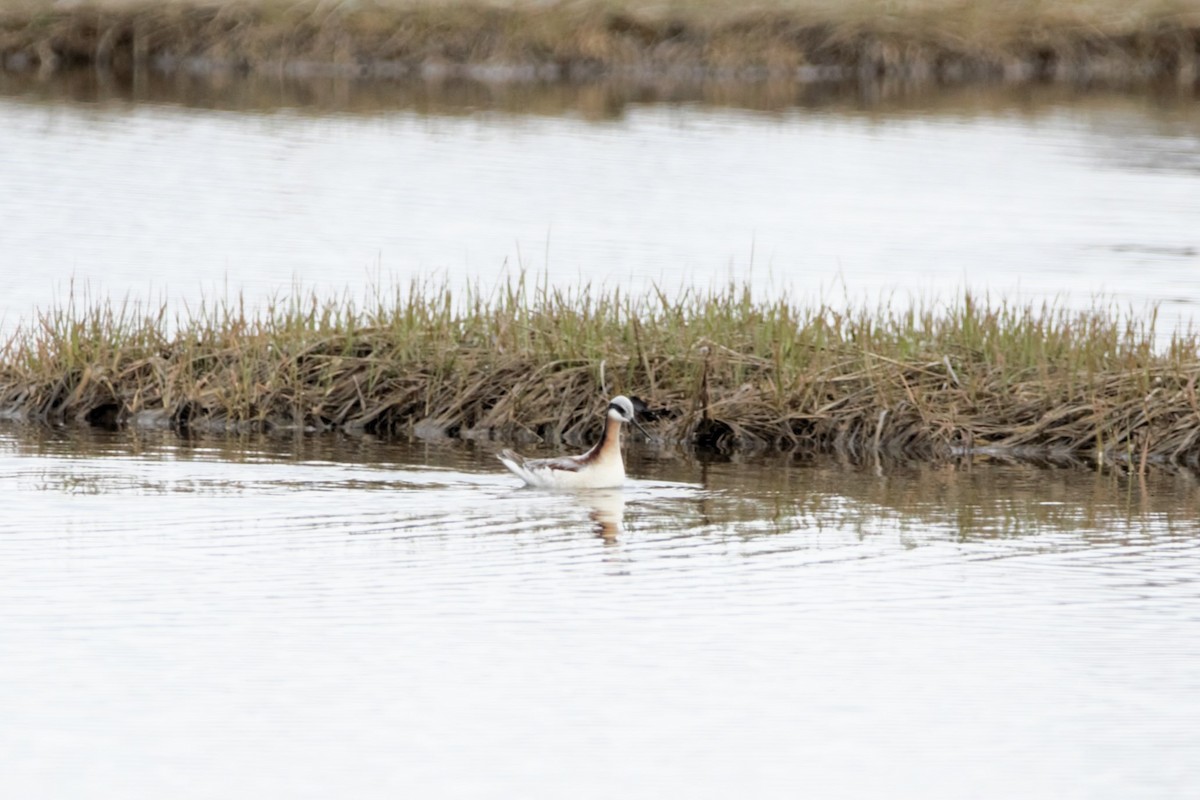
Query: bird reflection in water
606,509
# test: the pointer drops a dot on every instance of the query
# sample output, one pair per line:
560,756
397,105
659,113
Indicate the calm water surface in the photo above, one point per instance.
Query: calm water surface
1033,194
355,618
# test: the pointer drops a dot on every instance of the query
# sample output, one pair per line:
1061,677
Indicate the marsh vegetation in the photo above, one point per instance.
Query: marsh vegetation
942,40
719,369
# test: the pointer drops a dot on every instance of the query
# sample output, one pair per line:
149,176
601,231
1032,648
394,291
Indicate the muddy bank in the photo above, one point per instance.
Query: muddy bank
921,41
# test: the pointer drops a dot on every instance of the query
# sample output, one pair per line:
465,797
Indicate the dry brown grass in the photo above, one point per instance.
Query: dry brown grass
718,370
919,39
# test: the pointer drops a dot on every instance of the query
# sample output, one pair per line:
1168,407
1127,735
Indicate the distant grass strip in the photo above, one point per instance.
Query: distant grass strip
937,40
716,369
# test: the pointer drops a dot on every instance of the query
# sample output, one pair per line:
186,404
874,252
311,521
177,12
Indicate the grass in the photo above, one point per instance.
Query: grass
912,39
716,369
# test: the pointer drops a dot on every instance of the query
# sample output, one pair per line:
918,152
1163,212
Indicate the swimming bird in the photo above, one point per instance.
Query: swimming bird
599,468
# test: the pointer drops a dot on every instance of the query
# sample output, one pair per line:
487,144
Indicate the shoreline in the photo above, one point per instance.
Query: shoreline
717,372
579,42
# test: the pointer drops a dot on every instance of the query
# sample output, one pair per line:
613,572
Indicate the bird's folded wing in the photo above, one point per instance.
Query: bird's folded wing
564,463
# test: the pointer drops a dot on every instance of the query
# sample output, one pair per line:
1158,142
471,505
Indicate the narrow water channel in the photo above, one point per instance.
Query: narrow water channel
1047,196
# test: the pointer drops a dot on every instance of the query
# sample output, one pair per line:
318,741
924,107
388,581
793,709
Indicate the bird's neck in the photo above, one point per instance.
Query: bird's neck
611,437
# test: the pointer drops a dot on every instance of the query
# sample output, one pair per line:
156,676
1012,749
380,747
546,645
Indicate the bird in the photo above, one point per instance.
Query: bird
599,468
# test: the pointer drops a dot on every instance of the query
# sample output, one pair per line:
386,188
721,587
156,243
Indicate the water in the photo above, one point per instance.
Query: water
1027,195
335,616
256,618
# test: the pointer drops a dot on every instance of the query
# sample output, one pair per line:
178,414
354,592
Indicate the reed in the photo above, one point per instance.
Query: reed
941,40
717,369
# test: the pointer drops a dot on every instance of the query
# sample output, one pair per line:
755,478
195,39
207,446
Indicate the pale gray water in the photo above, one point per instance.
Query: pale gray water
360,619
1033,199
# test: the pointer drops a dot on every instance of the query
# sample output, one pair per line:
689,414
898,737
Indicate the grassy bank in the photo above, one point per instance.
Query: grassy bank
718,370
944,40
